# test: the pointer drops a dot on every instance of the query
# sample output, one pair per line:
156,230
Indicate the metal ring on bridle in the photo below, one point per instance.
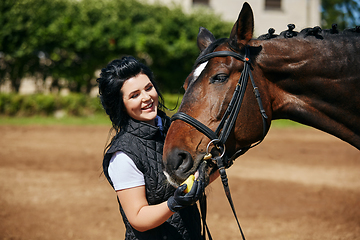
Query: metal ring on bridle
215,141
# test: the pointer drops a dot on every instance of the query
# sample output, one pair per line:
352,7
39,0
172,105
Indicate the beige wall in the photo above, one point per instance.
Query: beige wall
302,13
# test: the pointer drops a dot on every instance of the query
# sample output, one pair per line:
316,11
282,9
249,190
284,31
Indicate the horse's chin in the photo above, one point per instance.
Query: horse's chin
202,173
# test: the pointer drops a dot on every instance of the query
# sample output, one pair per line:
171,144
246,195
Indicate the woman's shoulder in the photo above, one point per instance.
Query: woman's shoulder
120,141
165,119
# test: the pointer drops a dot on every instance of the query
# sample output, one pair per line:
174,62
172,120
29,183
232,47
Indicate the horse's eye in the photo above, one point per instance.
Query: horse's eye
219,78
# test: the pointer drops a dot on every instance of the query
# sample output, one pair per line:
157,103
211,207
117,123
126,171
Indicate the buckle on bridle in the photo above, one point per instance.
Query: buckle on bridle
221,161
208,154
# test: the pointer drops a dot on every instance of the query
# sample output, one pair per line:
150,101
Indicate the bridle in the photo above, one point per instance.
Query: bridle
222,132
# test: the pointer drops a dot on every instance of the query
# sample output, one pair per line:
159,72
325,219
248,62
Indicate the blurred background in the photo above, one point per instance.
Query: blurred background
53,50
299,184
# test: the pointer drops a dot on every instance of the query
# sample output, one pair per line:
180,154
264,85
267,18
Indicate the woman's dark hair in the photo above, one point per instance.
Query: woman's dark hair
111,80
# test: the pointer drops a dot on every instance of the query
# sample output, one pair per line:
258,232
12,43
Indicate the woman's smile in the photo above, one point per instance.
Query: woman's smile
140,98
148,106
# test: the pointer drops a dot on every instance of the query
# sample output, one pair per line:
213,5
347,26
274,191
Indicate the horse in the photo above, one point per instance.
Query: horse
311,77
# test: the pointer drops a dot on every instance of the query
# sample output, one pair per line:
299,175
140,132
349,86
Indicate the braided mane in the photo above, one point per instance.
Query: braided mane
316,32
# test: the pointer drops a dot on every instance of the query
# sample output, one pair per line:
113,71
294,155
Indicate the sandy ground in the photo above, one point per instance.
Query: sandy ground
298,184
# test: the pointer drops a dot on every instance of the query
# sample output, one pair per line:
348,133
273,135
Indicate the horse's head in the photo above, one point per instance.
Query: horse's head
208,91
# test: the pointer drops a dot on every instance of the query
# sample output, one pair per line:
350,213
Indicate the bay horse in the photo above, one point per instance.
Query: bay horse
311,77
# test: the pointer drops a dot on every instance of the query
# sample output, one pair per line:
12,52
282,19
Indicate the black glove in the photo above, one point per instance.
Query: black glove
181,200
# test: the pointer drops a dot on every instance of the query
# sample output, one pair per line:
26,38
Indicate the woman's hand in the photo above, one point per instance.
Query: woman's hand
181,200
143,216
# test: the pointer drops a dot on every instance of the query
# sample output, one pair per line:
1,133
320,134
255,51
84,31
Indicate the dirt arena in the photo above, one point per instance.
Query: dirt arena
299,183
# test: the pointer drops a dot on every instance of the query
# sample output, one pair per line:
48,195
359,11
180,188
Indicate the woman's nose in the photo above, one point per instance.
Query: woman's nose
146,96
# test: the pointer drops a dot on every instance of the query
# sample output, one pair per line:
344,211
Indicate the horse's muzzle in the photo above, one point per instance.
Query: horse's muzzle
180,165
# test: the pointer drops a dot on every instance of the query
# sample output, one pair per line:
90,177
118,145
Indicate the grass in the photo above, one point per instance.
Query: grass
172,102
99,119
284,123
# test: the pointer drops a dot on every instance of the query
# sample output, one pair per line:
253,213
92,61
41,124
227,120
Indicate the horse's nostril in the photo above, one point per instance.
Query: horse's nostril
186,161
183,156
179,163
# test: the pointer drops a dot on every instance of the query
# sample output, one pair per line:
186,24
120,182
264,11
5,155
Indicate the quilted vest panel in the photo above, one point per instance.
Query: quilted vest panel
143,143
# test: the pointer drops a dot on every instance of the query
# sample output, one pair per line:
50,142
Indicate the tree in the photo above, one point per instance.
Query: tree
345,13
24,38
68,39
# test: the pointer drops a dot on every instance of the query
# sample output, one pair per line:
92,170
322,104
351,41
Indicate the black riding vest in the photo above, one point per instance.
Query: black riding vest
143,143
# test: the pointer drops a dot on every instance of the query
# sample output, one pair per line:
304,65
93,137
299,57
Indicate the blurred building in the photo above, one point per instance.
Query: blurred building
275,14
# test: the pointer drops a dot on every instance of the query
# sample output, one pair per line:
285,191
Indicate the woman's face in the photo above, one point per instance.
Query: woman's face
140,98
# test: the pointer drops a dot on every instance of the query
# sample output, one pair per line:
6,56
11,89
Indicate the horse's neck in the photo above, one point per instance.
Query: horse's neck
315,82
314,68
299,57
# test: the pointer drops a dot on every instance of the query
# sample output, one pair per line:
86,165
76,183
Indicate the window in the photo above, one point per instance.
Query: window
272,4
202,2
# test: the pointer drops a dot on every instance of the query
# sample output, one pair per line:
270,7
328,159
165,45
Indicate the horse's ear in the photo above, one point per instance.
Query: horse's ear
204,38
243,29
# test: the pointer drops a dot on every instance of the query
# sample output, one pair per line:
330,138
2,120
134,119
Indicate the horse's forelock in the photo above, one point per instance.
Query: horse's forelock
197,69
212,47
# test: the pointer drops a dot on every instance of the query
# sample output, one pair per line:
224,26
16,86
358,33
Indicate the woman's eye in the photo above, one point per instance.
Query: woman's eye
134,95
149,88
219,78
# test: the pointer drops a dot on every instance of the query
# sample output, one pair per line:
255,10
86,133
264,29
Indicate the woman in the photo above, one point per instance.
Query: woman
151,208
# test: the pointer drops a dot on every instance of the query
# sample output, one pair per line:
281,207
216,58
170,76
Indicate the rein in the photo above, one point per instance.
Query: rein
222,132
